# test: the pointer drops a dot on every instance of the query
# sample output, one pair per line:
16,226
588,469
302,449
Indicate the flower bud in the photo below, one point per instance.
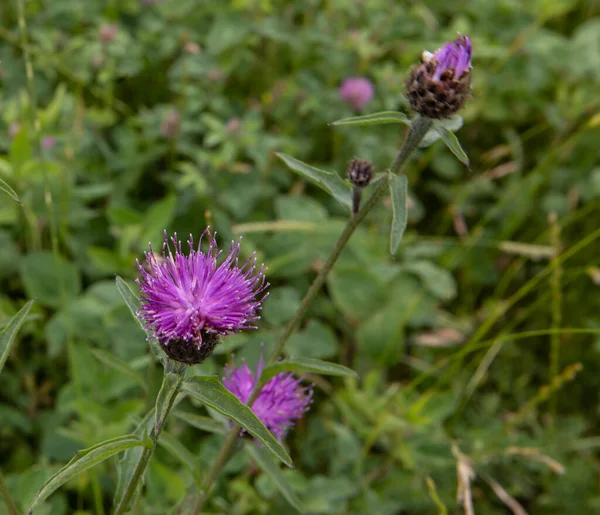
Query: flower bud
360,172
440,85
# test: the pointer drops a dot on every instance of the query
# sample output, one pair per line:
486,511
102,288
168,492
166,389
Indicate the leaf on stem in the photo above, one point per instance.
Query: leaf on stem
112,361
375,119
270,467
453,144
84,460
398,189
300,365
211,392
8,334
451,124
328,181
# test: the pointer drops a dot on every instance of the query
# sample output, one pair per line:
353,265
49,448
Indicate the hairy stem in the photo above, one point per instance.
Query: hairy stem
160,419
418,129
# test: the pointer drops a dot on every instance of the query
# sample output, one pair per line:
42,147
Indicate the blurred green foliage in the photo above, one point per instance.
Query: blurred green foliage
167,115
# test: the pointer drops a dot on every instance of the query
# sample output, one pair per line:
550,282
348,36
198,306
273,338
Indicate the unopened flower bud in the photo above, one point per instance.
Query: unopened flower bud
360,172
171,125
440,85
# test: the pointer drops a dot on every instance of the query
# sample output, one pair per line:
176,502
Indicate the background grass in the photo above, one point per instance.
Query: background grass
477,346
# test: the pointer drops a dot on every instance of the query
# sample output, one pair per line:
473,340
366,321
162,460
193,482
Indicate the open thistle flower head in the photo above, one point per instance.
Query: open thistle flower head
440,85
282,400
189,301
357,92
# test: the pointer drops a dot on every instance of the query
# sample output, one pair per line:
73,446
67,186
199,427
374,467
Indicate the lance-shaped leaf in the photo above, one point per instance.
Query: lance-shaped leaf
451,124
84,460
398,185
8,334
9,191
300,365
211,392
269,466
453,144
329,181
375,119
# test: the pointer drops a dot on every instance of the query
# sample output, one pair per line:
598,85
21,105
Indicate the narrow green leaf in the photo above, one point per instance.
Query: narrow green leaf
271,467
167,394
211,392
176,449
199,422
112,361
375,119
7,336
133,303
453,144
131,457
398,185
300,365
9,191
328,181
451,124
84,460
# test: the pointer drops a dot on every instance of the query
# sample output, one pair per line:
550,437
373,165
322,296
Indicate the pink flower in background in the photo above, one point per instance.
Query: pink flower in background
171,125
357,92
282,400
14,129
107,32
48,142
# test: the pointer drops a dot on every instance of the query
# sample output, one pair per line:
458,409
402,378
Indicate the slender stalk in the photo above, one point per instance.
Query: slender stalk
163,409
10,504
555,287
418,129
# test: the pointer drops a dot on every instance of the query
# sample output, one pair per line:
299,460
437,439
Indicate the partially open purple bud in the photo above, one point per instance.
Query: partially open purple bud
357,92
440,85
107,32
282,400
189,301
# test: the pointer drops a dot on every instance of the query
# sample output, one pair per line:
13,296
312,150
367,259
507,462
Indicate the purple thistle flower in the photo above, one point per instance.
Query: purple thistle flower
357,92
454,57
48,142
281,401
189,300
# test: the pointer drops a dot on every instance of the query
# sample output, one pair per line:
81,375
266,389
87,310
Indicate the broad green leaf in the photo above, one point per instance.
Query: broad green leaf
50,278
178,451
199,422
8,334
269,466
211,392
398,185
133,303
300,365
451,124
84,460
330,182
9,191
453,144
112,361
375,119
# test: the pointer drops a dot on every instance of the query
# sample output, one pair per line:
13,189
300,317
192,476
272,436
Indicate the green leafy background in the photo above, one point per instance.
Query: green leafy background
476,344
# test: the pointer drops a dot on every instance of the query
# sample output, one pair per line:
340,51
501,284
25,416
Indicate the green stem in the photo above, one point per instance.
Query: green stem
10,504
418,129
162,410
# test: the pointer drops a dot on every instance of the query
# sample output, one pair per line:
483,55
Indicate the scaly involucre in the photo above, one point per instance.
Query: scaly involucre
187,296
282,400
